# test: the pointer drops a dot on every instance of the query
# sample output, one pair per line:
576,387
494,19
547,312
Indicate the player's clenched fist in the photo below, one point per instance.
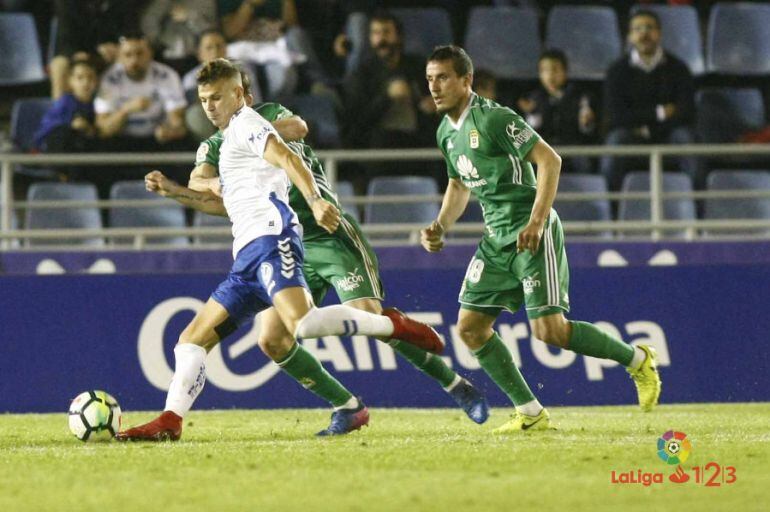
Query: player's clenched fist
157,182
432,237
529,238
326,215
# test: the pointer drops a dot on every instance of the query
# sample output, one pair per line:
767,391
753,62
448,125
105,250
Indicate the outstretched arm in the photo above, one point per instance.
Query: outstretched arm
453,205
202,200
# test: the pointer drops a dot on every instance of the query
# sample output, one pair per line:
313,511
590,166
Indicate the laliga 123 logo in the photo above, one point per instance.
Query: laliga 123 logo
674,448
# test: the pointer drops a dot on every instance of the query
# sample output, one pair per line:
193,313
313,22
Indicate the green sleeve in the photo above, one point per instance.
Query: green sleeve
509,130
273,111
450,170
208,151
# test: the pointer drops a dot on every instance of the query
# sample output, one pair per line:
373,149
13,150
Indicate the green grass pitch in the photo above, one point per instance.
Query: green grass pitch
433,460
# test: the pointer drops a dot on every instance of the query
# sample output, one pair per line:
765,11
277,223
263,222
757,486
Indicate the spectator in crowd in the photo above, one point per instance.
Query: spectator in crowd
140,105
211,46
485,84
258,32
649,98
559,111
68,126
106,20
387,102
174,27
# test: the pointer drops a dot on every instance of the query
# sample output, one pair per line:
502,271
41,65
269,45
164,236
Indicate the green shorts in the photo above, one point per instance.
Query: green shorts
499,278
343,260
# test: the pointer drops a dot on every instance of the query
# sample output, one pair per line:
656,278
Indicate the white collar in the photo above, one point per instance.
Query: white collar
637,62
461,120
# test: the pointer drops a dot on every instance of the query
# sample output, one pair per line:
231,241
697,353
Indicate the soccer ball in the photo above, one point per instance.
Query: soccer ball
673,447
94,416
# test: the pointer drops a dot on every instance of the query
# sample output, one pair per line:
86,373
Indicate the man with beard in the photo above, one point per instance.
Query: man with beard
388,104
140,104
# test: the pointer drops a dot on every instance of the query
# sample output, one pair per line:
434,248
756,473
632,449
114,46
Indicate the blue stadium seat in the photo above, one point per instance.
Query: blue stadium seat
26,115
588,35
22,61
321,117
673,209
84,217
681,33
590,210
424,29
505,41
739,208
382,213
738,39
723,114
205,220
167,214
344,189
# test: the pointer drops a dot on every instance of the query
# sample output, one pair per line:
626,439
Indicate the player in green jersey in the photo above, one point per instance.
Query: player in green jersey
343,260
489,151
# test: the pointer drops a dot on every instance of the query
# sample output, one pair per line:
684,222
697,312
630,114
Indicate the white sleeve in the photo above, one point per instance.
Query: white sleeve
254,132
105,101
172,92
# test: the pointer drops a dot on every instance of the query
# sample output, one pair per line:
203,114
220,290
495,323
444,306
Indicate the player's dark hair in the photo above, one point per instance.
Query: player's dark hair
555,54
644,12
216,70
245,81
461,62
384,16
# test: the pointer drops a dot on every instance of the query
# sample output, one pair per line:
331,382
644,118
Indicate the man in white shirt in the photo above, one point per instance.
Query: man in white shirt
140,104
256,169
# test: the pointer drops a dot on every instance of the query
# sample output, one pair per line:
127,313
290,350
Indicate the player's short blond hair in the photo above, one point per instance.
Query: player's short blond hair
216,70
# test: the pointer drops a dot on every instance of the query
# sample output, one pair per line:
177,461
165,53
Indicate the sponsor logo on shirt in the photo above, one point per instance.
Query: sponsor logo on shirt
519,135
350,282
469,173
203,150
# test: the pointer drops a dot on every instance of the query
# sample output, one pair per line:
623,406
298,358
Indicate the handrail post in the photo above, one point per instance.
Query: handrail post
6,199
656,190
330,166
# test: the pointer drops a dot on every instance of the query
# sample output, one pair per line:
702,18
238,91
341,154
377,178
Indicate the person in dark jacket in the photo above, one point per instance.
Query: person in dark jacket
559,110
649,97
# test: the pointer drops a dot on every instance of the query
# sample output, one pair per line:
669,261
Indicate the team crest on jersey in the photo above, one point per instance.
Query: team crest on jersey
519,135
474,139
203,150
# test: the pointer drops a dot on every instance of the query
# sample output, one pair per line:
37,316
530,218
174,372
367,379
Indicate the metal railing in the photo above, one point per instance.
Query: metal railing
656,225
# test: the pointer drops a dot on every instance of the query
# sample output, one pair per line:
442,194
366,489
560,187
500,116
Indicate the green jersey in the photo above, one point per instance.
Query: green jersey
486,150
208,153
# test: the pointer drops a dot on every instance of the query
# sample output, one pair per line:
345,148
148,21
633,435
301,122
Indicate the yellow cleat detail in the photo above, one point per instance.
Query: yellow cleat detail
647,379
522,423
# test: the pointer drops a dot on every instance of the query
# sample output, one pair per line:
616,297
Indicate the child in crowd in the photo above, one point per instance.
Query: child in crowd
68,126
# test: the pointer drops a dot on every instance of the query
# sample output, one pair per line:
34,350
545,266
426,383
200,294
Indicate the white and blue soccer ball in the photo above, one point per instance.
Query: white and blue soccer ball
94,416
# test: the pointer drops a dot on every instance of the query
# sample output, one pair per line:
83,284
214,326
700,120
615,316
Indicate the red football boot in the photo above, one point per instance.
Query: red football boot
166,427
414,332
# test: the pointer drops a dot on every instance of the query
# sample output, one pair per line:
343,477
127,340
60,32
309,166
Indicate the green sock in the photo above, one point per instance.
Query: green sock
496,360
307,370
589,340
430,364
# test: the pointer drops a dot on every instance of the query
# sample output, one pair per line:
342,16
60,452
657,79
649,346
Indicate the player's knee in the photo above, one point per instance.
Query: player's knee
275,348
472,335
553,334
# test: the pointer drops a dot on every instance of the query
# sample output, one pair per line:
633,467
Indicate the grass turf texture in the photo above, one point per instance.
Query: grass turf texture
407,460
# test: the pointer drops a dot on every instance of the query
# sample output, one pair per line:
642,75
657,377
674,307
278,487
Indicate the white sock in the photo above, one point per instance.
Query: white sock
189,378
639,357
453,384
532,408
350,404
342,320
